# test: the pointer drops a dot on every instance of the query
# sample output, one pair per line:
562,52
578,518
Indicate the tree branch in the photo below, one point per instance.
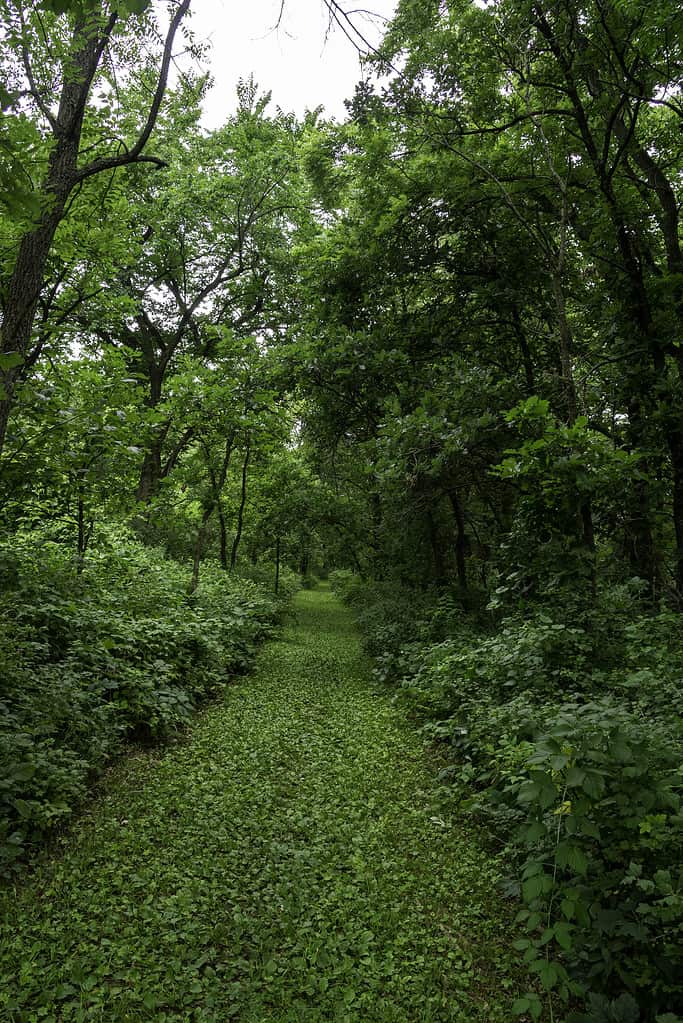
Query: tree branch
134,155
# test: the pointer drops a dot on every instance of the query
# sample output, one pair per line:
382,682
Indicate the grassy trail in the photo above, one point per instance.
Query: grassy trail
287,863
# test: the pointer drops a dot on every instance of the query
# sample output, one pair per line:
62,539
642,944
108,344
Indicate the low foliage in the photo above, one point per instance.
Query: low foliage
291,861
561,737
87,661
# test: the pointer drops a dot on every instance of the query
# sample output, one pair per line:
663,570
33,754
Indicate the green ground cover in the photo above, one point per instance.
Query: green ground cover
290,861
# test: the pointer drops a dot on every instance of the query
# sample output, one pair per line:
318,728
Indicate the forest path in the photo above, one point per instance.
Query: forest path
288,862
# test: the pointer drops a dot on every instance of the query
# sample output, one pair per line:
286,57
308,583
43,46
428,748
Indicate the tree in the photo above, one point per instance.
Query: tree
194,278
571,112
81,41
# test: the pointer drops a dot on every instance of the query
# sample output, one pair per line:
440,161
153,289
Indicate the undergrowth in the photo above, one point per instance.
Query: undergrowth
562,726
291,861
92,660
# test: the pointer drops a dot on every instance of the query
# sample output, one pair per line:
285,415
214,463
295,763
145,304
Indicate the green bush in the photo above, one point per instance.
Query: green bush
562,729
89,661
264,574
346,583
397,624
603,872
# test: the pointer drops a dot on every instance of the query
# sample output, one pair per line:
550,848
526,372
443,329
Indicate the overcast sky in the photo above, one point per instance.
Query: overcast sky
299,62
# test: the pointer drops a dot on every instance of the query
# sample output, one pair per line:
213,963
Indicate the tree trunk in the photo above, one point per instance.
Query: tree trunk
277,565
240,513
566,344
376,535
196,559
572,406
437,553
674,435
198,546
526,353
630,283
84,533
223,537
21,302
150,473
460,538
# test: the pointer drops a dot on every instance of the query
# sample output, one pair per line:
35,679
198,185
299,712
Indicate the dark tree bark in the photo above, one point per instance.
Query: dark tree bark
277,565
440,574
223,537
218,485
85,529
376,533
240,513
199,546
525,352
566,344
150,473
460,538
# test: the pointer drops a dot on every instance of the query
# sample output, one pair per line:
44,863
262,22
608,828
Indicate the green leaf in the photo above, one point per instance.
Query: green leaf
534,832
625,1009
135,6
570,855
23,807
574,776
589,828
559,761
536,886
63,991
10,360
568,908
529,792
593,784
60,6
563,935
548,973
520,1006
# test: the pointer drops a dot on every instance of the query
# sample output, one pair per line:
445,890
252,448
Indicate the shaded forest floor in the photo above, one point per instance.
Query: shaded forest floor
288,862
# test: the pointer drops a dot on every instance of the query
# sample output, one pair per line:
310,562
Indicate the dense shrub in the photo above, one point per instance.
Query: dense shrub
563,733
263,573
397,624
603,870
89,660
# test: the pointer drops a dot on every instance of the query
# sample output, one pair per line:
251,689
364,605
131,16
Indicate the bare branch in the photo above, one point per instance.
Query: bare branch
134,155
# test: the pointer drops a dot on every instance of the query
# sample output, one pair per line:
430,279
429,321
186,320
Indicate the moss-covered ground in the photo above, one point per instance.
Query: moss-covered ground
289,861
